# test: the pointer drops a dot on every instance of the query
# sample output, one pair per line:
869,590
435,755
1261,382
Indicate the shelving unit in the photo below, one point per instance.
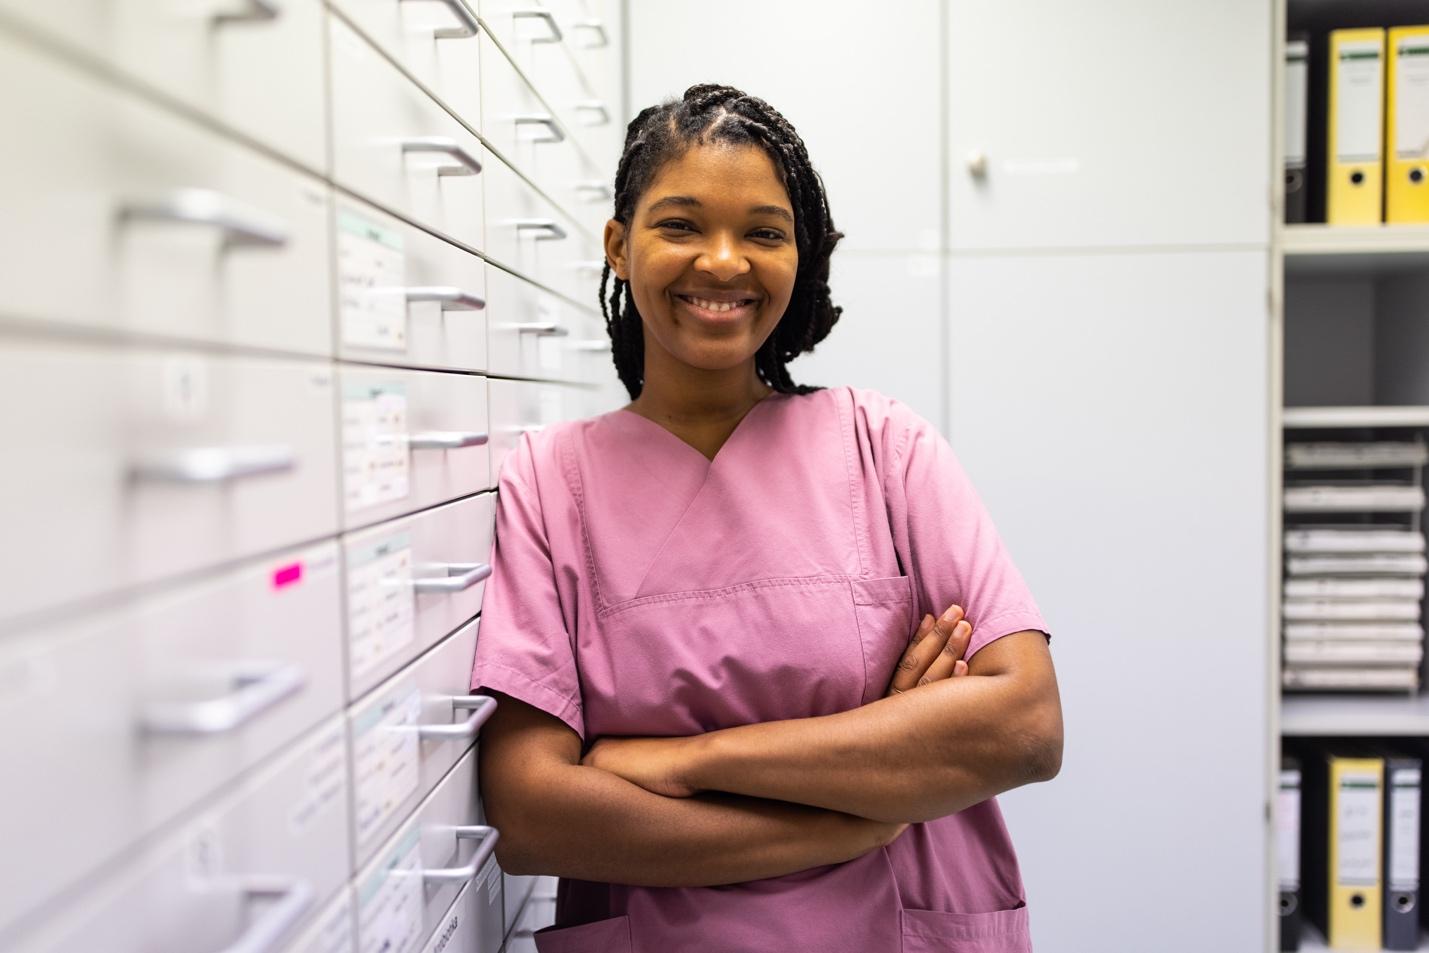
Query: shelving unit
1371,250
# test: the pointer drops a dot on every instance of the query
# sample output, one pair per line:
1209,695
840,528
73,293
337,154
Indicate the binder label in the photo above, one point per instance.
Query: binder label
1358,807
1411,98
1404,831
1358,88
1287,830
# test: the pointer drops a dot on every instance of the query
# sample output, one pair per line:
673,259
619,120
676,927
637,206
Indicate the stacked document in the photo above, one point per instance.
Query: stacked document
1354,578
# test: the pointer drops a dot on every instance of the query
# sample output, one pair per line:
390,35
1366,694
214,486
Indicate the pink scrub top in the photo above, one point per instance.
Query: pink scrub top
641,589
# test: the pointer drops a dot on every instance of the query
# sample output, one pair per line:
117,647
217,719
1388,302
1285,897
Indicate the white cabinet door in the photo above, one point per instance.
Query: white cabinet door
1111,122
1112,411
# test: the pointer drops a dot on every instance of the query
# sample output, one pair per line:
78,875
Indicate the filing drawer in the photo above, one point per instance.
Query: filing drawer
533,333
396,146
120,720
539,913
473,924
411,582
516,890
122,217
404,296
331,931
418,872
408,734
129,466
518,406
258,74
434,40
522,127
530,236
254,865
411,439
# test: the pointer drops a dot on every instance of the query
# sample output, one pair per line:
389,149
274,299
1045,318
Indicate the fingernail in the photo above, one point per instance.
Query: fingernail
952,613
927,620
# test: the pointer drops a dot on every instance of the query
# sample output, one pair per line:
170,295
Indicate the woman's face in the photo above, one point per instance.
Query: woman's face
709,255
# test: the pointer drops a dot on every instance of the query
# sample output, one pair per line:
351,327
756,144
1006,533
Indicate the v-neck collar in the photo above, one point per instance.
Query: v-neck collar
698,454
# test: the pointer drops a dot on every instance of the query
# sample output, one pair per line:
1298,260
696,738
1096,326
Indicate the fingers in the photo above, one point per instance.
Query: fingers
924,650
948,660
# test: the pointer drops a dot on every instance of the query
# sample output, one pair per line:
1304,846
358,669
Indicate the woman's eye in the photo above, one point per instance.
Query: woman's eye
768,235
676,224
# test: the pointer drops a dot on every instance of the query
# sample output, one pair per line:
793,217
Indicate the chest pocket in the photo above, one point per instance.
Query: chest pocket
884,610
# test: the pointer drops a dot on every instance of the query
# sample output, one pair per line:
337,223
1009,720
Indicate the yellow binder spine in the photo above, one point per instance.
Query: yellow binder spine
1355,166
1356,853
1406,144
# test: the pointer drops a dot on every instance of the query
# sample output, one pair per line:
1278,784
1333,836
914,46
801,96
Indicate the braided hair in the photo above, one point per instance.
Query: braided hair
705,114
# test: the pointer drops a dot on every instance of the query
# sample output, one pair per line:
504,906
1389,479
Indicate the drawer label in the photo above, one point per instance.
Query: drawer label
385,758
390,908
381,602
371,278
374,445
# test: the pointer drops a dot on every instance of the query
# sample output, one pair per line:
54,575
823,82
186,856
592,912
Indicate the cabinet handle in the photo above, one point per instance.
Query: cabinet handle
554,131
467,164
452,299
488,837
446,439
254,11
212,464
591,269
481,708
529,428
451,577
549,19
602,38
977,164
467,24
595,191
266,932
239,225
257,688
602,113
548,227
594,344
543,328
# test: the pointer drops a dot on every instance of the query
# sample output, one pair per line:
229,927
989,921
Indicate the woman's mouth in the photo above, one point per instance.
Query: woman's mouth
712,309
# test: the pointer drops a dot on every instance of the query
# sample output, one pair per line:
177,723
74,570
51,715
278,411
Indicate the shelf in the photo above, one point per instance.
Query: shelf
1312,941
1395,715
1328,417
1354,249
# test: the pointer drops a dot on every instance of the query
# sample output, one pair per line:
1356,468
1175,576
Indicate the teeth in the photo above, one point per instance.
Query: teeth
716,306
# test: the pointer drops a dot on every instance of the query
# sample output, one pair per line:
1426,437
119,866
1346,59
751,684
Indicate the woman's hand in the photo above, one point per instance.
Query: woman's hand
655,764
935,652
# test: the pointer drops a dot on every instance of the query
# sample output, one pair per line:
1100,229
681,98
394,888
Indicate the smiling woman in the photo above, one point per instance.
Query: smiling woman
721,723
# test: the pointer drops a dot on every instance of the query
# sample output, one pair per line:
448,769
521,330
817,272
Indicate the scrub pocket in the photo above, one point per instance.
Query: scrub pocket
602,936
883,609
1001,931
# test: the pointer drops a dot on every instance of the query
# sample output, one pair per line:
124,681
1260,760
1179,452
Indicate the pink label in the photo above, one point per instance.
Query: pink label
287,575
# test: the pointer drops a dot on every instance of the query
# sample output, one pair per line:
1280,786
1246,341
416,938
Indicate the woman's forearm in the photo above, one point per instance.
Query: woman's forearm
591,825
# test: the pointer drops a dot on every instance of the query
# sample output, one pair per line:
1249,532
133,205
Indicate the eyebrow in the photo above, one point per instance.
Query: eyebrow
689,201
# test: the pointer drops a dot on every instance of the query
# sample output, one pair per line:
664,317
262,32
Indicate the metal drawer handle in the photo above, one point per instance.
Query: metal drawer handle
602,38
267,931
447,875
213,464
549,229
549,19
467,24
590,269
601,111
595,191
481,708
257,687
594,344
446,439
529,428
255,11
543,328
239,224
452,299
466,163
554,131
451,577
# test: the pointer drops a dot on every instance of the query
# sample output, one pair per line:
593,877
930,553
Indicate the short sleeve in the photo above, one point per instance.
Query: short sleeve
523,648
945,537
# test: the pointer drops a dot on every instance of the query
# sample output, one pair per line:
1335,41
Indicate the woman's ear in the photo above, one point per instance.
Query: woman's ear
615,249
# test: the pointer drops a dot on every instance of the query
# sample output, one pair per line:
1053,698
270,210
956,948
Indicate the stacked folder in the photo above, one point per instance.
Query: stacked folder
1354,565
1376,83
1348,840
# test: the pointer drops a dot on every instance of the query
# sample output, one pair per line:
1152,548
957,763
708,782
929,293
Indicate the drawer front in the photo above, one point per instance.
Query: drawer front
473,924
411,439
418,872
524,128
394,145
530,236
434,41
518,406
533,333
260,860
259,75
331,931
516,890
410,582
404,296
539,913
130,466
408,734
124,218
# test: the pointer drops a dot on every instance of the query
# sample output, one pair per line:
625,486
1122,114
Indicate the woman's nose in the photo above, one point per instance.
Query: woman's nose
722,258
